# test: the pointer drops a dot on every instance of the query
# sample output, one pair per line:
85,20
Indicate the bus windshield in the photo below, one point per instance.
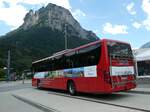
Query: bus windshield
120,50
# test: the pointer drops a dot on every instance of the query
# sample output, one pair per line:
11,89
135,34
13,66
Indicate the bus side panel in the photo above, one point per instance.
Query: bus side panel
55,83
61,83
80,83
34,82
103,67
58,83
44,83
95,84
51,83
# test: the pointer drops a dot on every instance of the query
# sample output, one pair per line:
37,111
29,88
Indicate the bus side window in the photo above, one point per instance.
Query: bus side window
75,60
69,62
90,55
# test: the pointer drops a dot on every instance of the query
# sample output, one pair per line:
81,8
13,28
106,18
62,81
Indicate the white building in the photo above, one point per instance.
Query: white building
142,57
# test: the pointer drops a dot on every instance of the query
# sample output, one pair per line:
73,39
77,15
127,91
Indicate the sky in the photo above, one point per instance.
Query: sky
125,20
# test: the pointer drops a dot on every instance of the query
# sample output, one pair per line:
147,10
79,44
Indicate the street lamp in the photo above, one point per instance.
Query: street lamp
5,68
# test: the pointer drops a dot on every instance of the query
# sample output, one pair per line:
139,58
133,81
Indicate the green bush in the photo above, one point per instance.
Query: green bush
2,74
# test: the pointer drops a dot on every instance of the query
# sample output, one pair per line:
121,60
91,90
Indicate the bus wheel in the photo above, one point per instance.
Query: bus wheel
38,84
71,88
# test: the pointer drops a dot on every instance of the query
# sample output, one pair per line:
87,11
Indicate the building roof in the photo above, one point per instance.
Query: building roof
142,54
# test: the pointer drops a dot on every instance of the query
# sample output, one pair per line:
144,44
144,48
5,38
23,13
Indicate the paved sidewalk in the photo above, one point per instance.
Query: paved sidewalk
143,86
143,80
141,90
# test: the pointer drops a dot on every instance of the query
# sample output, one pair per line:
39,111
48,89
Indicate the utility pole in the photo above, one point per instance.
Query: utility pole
66,47
8,66
66,40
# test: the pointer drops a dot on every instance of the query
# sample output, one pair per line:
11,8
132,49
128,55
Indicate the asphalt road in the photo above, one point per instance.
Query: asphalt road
14,87
62,102
18,97
9,103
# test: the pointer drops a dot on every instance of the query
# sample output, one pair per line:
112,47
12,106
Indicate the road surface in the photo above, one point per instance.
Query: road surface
9,103
17,97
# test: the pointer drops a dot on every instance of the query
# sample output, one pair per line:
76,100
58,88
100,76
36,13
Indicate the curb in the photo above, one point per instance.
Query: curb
139,92
37,105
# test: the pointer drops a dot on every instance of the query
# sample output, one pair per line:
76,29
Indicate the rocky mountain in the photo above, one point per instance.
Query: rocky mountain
147,45
56,18
41,35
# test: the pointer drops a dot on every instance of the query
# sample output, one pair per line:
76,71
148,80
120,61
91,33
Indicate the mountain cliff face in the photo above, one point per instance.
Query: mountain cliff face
56,18
41,35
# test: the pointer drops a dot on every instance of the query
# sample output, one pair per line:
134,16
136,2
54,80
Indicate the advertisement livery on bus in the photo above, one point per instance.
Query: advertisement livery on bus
104,66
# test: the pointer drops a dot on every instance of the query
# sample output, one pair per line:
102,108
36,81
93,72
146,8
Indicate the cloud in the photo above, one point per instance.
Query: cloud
137,25
1,4
146,9
63,3
14,14
78,13
130,8
116,29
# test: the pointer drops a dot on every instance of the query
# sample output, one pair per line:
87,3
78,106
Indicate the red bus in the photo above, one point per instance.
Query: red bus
104,66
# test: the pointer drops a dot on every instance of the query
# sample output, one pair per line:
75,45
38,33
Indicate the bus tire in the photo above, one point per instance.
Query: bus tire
38,84
71,88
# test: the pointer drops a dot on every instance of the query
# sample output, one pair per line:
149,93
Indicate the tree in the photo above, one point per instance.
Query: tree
2,74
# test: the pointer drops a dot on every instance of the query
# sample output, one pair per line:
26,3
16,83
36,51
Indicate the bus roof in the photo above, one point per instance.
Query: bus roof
115,41
71,50
66,51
